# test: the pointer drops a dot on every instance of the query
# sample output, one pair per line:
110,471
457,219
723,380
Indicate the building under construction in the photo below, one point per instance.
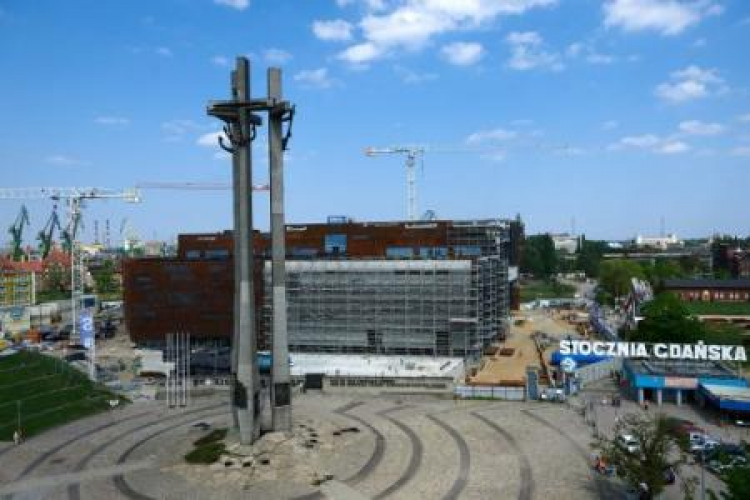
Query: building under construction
424,287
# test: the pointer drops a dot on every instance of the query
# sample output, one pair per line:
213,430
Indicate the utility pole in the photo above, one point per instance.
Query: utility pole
281,403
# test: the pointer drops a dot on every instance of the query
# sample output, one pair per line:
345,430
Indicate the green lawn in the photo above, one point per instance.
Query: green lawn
726,308
50,391
532,290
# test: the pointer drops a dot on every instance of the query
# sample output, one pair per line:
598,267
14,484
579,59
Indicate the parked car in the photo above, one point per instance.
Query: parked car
628,443
703,445
552,394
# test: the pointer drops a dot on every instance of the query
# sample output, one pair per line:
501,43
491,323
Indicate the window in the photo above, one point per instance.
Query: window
467,250
335,244
193,254
217,254
399,252
433,252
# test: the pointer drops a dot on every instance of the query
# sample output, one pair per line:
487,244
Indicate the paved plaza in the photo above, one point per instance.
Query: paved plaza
419,447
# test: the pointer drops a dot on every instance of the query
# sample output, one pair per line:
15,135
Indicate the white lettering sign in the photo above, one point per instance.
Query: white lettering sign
699,351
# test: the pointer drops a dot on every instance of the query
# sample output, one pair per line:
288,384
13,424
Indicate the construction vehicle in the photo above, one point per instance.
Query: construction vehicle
16,231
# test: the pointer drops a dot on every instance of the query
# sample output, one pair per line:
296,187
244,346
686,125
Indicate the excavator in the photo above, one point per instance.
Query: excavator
46,234
16,231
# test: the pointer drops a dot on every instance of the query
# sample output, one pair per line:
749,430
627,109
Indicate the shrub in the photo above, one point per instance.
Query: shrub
205,454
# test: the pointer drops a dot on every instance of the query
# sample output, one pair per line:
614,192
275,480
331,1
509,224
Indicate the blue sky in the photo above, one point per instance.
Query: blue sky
614,113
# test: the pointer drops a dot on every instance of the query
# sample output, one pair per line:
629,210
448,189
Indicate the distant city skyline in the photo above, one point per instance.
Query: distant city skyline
616,113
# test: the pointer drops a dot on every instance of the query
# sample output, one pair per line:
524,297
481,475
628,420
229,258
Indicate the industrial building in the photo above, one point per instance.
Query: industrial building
437,288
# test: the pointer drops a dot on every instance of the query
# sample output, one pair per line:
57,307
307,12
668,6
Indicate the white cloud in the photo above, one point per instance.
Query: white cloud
699,43
65,161
689,84
361,54
276,56
413,77
672,147
697,127
336,30
741,151
595,58
463,53
610,125
493,135
527,52
164,51
668,17
317,78
211,139
111,120
744,118
651,142
412,24
220,61
588,53
235,4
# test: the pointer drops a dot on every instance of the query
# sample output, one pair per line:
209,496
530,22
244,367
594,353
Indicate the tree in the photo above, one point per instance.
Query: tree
666,319
615,276
590,254
661,270
57,278
104,277
539,257
738,484
657,451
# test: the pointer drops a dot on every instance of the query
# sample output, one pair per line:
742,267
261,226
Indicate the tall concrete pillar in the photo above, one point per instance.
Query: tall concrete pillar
659,393
281,404
247,370
678,397
240,129
640,396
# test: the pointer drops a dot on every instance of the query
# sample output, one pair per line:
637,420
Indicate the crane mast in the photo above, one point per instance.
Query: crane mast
411,153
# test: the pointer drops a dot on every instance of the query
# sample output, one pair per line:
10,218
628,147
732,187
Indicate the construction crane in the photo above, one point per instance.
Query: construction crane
412,153
132,195
47,233
75,197
16,231
196,186
69,233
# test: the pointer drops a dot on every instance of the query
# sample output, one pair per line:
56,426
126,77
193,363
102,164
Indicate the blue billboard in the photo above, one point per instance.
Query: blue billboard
86,328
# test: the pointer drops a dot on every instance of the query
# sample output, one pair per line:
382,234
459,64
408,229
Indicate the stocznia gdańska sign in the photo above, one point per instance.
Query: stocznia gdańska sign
699,351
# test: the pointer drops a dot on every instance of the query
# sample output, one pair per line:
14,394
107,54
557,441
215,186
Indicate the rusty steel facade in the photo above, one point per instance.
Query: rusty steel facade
432,287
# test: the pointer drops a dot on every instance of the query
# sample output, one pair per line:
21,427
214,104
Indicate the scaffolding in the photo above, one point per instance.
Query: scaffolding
452,306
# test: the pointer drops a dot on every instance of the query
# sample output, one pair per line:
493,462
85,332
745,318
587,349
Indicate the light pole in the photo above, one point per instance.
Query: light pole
703,474
18,414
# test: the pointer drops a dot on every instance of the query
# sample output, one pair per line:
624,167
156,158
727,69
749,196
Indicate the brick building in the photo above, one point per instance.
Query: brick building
710,290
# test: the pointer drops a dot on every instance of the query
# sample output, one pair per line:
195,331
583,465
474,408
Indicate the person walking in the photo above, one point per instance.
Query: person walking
17,437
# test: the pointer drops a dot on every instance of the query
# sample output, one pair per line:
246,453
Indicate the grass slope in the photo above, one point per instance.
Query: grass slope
50,391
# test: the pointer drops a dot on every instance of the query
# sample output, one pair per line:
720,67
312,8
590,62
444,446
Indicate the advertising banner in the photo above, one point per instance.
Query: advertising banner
86,329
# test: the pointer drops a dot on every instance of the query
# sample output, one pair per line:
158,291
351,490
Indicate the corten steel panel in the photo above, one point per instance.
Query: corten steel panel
167,295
